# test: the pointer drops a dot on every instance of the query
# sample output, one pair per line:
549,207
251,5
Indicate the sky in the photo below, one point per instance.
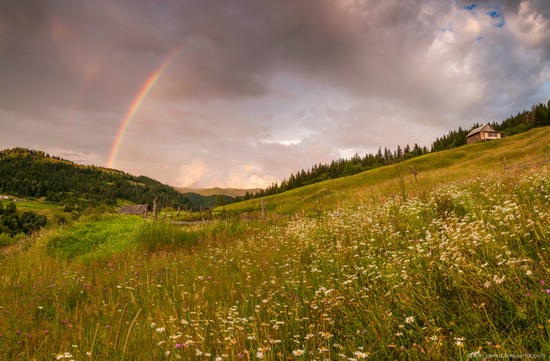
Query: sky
211,93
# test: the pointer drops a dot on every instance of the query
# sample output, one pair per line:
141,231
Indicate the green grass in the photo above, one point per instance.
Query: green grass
93,236
451,267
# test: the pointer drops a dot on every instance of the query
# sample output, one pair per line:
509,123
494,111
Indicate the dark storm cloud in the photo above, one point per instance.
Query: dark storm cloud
228,49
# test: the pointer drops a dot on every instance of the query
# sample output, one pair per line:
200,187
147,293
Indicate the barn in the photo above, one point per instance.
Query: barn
134,209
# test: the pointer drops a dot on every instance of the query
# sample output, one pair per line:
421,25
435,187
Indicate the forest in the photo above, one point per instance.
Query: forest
537,116
35,174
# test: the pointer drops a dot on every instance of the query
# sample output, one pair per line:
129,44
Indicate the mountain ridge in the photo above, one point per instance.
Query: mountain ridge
232,192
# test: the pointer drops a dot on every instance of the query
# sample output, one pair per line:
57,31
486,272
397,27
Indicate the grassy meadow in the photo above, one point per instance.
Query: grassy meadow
452,264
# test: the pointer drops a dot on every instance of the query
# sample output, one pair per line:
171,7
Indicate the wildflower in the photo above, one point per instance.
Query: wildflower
548,291
180,345
260,354
360,354
542,282
399,334
409,319
64,355
160,329
459,341
298,352
487,284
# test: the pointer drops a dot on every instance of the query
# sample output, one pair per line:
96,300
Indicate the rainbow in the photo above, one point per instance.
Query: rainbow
136,103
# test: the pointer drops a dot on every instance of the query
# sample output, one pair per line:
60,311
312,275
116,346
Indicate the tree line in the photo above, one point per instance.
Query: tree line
537,116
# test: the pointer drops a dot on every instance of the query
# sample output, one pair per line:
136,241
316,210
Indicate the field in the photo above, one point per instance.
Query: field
47,209
452,264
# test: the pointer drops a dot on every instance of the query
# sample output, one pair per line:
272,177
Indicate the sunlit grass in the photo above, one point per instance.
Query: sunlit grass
94,235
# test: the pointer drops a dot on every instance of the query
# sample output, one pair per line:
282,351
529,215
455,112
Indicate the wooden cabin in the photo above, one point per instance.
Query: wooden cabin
485,132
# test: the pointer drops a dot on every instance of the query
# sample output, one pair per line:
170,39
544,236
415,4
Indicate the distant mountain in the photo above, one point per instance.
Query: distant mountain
214,197
33,173
231,192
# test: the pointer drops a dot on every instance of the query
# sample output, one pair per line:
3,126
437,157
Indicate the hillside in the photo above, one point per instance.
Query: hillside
466,162
538,116
452,265
31,173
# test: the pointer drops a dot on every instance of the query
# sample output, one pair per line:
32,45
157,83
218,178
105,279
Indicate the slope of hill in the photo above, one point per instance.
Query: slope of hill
538,116
30,173
475,160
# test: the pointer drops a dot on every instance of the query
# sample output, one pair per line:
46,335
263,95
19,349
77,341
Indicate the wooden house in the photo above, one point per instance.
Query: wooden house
485,132
134,209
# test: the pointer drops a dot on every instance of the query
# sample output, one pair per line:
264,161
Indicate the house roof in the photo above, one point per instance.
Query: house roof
133,209
483,128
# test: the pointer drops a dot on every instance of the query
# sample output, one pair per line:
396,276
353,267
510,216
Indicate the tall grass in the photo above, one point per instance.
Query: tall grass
156,236
456,272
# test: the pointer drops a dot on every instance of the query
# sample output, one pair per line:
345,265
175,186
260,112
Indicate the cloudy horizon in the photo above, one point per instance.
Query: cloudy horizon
242,93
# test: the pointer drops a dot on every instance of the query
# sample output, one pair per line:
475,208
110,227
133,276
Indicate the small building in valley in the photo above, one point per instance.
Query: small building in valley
134,209
485,132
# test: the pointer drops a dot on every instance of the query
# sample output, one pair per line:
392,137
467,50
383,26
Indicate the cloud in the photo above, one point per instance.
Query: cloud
190,174
75,156
249,176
